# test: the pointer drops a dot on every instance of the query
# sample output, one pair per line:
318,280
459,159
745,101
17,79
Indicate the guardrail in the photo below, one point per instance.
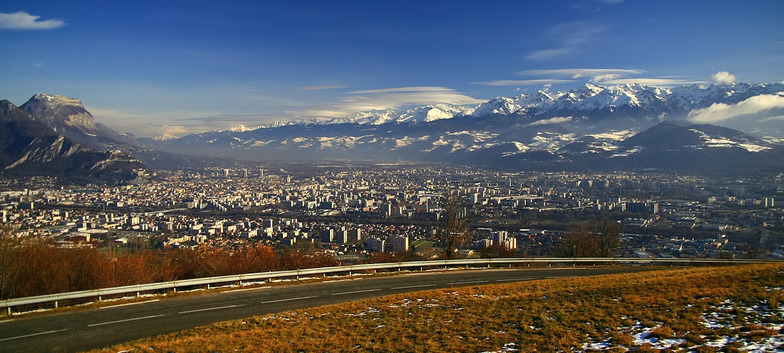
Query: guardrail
136,290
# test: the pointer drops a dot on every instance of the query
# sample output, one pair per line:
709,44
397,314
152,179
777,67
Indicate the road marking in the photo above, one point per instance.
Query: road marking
358,291
462,283
32,335
245,289
287,299
125,320
129,304
419,286
513,279
208,309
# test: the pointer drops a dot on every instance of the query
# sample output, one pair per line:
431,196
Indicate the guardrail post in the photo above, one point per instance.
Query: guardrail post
100,298
8,310
56,304
137,294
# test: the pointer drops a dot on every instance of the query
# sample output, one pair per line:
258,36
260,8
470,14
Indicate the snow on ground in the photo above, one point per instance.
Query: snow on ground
759,329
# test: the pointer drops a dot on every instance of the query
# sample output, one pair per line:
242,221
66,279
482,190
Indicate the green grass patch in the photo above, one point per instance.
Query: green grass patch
423,243
697,309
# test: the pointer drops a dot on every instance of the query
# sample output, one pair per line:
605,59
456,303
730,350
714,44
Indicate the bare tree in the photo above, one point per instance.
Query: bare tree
581,241
454,232
9,264
577,242
607,239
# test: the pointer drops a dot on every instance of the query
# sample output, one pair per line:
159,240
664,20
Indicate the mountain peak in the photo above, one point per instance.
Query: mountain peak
60,112
56,99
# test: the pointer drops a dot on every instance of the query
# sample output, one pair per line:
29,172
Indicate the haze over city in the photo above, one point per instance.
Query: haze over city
151,68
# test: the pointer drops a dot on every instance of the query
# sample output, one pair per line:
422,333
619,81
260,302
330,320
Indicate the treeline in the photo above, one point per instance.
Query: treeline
37,268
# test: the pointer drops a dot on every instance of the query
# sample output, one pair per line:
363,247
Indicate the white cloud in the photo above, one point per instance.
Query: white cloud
25,21
390,98
383,99
650,81
320,88
568,38
720,112
723,78
578,73
555,120
521,82
549,53
773,118
593,75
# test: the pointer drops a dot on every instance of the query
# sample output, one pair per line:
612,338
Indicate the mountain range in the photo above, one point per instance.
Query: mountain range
624,127
596,128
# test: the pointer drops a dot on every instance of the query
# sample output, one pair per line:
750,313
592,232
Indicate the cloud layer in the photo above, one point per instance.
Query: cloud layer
25,21
389,98
760,106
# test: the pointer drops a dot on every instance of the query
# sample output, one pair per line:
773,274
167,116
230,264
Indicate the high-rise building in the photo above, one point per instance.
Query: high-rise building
355,235
327,235
375,244
399,243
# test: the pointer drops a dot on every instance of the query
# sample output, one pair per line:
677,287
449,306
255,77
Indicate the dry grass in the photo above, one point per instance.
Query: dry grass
700,309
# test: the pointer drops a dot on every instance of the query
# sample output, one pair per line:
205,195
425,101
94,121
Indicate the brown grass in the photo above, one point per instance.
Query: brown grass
545,315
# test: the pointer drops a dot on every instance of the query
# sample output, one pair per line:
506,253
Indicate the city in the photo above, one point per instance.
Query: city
352,212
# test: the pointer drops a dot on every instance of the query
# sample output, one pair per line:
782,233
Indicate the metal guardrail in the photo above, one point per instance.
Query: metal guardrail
137,289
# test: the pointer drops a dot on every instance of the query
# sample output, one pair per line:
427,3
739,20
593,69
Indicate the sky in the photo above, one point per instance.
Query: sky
178,67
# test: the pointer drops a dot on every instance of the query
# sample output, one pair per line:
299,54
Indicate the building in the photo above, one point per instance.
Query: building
375,244
399,243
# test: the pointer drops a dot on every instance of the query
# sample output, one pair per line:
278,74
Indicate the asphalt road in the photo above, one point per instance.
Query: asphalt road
81,330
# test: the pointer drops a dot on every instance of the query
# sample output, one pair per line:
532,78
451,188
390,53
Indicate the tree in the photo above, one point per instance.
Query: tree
577,242
607,239
454,232
9,264
583,242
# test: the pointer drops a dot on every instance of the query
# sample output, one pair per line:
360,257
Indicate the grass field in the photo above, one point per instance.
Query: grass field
707,309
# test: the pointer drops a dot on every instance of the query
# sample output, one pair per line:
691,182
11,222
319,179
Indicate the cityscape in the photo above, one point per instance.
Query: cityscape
352,211
399,176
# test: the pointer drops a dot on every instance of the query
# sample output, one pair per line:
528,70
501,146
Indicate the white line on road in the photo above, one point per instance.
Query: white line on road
129,304
125,320
419,286
32,335
287,300
462,283
209,309
245,289
513,279
358,291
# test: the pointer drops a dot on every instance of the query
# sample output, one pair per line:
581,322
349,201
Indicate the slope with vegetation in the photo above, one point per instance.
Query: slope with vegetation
694,310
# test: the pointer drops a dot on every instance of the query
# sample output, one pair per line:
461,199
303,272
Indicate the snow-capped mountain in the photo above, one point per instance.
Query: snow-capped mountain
590,127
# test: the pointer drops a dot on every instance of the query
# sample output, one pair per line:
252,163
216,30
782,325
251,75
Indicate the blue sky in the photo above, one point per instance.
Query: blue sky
150,67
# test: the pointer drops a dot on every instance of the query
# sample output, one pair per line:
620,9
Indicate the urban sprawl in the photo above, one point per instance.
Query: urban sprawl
352,212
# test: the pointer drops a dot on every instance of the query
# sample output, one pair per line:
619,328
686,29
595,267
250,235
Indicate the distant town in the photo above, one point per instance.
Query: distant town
354,211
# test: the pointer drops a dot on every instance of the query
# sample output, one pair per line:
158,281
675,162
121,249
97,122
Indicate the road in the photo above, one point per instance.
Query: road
81,330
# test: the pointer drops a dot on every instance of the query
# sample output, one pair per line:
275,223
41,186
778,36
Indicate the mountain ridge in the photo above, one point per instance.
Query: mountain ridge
28,146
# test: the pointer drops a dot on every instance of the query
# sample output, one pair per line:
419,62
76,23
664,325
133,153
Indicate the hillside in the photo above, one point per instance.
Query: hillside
699,309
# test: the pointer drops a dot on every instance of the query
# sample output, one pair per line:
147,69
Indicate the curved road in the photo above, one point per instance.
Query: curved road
95,328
